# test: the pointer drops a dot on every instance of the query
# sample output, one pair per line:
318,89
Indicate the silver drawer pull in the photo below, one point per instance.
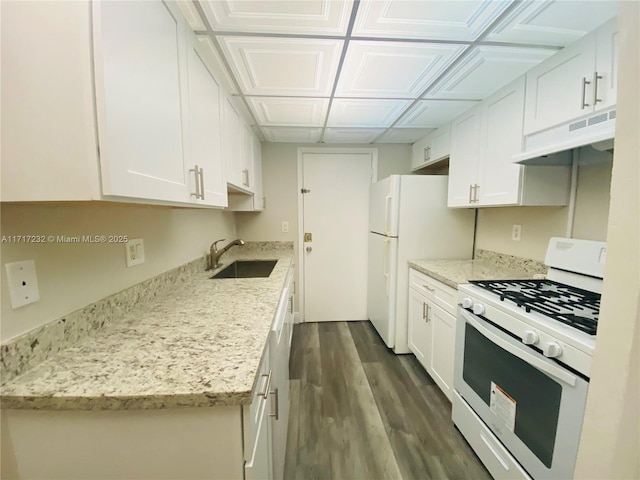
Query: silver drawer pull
265,393
275,394
596,77
429,288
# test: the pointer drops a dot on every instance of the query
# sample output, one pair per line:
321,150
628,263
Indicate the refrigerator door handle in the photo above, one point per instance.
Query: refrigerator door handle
385,267
387,207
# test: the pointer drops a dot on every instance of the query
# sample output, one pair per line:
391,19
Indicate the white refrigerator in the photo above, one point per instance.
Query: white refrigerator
409,220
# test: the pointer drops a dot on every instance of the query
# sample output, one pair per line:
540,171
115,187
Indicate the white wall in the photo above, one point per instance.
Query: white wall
610,437
71,276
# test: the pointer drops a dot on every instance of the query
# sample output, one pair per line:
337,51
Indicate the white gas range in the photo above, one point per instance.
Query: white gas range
523,358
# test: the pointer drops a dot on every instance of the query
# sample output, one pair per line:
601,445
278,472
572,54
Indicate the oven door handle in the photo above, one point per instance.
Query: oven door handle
556,372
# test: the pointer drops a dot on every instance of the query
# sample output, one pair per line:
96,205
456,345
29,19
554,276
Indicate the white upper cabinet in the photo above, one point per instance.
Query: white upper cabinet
206,167
465,155
49,148
232,144
139,48
575,82
431,149
481,172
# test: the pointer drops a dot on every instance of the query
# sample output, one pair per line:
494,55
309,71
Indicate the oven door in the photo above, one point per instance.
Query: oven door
533,405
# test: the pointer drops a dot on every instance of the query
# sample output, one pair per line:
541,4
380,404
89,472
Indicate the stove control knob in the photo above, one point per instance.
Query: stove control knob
467,302
551,349
529,337
478,308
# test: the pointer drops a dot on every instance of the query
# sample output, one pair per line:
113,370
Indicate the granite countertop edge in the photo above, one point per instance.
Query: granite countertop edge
36,389
457,272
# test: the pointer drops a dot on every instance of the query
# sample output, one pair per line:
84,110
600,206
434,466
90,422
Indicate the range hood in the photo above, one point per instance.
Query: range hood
553,146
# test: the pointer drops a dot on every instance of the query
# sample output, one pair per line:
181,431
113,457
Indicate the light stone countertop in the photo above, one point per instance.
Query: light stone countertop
199,344
456,272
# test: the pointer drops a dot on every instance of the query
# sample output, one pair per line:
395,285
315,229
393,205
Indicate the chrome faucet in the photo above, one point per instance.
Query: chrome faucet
215,254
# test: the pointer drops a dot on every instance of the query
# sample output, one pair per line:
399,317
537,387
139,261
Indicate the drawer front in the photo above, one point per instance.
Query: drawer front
443,295
493,455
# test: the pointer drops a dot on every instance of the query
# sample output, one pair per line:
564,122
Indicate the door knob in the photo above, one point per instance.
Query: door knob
308,249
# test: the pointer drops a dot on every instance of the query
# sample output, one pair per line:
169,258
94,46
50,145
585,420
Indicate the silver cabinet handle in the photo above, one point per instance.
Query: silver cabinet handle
201,183
584,92
427,153
424,310
429,288
291,304
470,193
267,384
195,170
275,394
596,77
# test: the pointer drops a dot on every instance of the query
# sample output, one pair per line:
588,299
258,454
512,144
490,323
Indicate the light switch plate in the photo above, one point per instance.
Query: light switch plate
22,282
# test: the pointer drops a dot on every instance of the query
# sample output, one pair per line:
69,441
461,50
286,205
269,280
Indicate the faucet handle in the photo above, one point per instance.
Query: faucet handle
214,245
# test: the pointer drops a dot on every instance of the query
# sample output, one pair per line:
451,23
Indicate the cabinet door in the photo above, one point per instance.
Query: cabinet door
231,142
279,403
418,153
498,176
465,154
606,65
204,133
139,56
443,327
440,144
258,198
259,466
419,334
557,90
246,157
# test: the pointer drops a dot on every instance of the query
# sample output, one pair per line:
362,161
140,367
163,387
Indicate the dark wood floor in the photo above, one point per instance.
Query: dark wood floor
358,411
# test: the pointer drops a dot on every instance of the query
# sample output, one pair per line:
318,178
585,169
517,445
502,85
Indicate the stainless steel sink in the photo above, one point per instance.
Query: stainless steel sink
247,269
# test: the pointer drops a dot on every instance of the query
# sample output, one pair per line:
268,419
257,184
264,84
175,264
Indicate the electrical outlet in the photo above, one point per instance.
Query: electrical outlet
134,251
516,232
285,226
22,282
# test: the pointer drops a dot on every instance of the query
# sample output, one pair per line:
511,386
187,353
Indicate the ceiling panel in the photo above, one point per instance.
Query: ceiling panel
291,67
393,69
552,22
434,113
308,17
427,19
282,111
365,113
351,135
404,135
485,69
291,134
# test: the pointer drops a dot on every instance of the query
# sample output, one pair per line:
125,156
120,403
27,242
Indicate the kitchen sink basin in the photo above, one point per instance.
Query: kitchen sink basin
247,269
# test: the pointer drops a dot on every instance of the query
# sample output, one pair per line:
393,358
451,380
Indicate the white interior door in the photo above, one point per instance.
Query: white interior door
336,214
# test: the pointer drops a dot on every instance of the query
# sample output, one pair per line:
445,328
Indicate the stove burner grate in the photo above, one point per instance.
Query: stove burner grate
569,305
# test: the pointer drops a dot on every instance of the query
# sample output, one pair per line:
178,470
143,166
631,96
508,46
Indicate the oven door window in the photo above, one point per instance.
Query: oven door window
537,397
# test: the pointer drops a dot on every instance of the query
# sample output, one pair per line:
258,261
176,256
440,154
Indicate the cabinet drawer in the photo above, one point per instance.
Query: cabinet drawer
491,452
441,294
259,398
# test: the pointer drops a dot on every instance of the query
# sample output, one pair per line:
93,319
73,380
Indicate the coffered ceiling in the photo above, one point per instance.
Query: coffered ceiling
378,71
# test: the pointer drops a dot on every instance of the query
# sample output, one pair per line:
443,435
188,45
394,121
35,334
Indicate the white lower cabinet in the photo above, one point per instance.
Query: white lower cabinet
432,327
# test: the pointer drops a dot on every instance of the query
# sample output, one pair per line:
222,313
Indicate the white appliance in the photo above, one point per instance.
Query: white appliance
408,220
523,358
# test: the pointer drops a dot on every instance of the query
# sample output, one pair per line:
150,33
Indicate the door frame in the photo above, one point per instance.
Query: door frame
299,243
